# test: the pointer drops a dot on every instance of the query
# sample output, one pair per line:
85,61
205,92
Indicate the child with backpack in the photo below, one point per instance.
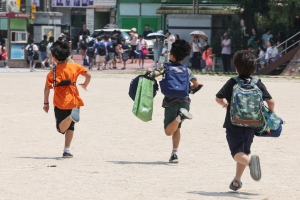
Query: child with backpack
31,50
100,53
176,88
90,52
208,57
67,102
112,51
243,97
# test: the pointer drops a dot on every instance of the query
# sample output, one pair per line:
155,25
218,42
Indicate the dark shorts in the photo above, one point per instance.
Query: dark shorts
44,55
132,53
140,55
60,115
171,112
239,139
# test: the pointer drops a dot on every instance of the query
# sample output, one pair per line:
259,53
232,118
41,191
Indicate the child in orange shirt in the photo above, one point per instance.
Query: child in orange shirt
208,55
66,98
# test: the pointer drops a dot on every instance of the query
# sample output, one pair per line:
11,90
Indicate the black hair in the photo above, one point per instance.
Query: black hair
31,40
262,48
176,35
180,49
105,37
123,39
147,25
244,62
271,40
268,29
91,43
114,38
45,37
141,36
60,38
84,33
60,50
51,39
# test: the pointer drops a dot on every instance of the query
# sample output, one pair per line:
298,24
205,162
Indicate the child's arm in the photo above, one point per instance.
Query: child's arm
221,102
155,73
87,80
271,105
46,98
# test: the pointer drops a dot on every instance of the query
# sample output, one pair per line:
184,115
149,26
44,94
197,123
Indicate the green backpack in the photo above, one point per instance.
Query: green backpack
246,104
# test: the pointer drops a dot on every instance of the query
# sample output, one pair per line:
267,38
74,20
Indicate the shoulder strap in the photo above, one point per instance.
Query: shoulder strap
54,76
255,80
238,80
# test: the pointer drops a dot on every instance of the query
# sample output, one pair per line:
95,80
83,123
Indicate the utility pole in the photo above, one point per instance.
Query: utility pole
197,7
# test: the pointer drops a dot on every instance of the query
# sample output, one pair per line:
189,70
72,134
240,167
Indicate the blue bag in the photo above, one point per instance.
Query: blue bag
134,85
175,82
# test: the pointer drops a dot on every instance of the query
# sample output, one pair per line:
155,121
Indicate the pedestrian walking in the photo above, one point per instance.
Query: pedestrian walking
133,41
31,51
226,52
43,50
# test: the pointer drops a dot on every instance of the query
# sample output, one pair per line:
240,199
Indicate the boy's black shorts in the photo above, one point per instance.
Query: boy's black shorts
60,115
240,139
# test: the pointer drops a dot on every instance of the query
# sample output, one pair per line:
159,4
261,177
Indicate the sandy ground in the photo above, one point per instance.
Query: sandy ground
117,156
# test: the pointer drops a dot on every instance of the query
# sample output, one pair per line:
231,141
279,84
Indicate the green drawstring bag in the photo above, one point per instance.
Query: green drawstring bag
143,102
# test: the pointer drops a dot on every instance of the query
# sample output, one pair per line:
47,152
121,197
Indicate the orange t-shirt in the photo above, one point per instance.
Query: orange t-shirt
66,97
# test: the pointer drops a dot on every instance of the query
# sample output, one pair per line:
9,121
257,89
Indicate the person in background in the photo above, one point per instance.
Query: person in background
140,44
112,50
43,50
169,39
31,50
147,31
124,50
157,49
196,48
266,37
177,37
133,40
84,29
4,57
261,57
226,52
51,41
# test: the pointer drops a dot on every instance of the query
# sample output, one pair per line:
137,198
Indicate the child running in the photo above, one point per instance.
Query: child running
66,98
177,109
240,138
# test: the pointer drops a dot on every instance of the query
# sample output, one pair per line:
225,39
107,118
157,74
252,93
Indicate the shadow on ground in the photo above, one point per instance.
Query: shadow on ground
43,158
141,163
238,195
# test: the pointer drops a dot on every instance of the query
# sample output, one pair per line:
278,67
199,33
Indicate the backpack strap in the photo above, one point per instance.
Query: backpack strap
54,76
255,80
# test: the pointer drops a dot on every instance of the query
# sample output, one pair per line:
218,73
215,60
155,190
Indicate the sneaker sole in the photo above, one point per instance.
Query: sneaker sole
255,170
67,156
173,161
186,113
75,115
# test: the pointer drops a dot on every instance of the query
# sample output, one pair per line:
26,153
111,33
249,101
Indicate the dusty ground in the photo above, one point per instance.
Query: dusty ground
116,156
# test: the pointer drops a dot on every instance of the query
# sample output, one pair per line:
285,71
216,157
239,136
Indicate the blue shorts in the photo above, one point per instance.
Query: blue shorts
44,55
29,57
140,55
240,139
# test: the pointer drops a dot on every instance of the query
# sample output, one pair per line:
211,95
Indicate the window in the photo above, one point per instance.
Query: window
18,36
130,9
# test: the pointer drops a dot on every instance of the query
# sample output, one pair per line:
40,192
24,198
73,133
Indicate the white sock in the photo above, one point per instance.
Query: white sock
33,66
178,118
67,150
175,150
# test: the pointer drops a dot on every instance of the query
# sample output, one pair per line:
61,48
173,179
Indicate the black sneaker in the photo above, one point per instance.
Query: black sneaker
67,155
184,114
174,158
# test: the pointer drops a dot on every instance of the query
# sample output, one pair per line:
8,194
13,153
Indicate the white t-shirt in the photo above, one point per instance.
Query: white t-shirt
34,46
269,52
261,54
164,50
49,46
195,48
226,50
134,39
140,44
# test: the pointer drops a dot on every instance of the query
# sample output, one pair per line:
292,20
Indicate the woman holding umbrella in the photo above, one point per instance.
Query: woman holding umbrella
157,46
196,51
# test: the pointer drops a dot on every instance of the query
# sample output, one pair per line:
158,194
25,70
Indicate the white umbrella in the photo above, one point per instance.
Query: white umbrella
155,35
199,34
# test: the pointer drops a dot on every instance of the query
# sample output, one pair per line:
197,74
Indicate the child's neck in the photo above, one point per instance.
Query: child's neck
175,61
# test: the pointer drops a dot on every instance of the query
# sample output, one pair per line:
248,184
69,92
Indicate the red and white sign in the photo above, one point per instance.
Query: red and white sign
13,15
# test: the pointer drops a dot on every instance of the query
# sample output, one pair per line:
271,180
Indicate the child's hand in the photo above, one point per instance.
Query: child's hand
46,108
84,86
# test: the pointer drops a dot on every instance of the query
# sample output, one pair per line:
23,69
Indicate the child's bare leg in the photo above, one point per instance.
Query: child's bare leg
68,138
65,124
172,127
242,160
176,139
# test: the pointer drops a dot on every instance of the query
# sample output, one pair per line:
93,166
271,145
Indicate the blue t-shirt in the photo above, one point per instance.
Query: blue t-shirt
96,46
111,47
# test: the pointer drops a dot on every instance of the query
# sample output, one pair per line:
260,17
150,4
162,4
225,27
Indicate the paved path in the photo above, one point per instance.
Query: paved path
117,156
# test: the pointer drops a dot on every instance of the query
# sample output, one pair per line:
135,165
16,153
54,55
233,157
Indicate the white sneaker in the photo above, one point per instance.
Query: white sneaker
31,70
140,67
43,64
